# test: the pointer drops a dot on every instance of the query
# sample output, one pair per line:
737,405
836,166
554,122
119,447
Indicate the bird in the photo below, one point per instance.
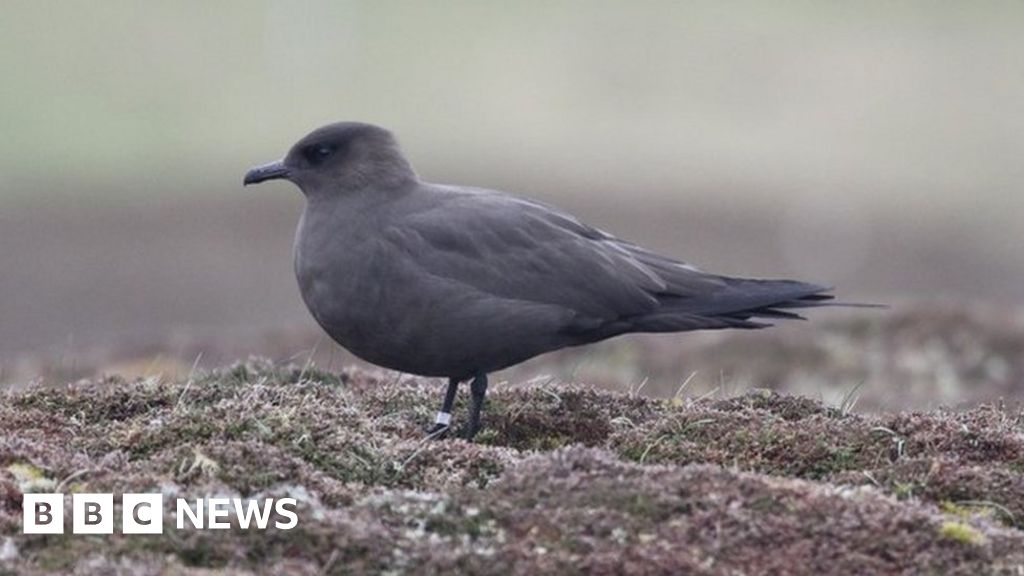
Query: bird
457,282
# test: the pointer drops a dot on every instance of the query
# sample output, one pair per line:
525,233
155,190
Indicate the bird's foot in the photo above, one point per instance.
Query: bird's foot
440,428
471,431
437,432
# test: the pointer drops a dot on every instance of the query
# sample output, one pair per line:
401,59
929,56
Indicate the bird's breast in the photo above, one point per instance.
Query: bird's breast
331,272
355,291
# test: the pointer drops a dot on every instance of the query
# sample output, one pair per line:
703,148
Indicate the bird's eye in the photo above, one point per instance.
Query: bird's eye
317,153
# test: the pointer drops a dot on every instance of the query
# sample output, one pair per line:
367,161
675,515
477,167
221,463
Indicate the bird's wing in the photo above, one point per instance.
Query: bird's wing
517,249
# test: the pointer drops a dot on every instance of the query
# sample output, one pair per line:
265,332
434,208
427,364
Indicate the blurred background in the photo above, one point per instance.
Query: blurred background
874,147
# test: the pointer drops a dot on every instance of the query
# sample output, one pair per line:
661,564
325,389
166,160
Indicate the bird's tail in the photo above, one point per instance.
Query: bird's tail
742,303
737,303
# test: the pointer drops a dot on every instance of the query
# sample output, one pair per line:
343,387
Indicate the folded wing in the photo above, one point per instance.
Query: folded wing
516,249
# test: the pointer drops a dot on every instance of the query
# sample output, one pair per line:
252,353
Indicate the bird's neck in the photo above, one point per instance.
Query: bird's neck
383,168
354,204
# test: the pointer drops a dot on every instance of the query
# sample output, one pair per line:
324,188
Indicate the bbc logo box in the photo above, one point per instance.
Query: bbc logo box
92,514
43,513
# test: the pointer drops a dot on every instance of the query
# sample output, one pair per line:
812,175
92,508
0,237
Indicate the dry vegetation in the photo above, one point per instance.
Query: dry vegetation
564,479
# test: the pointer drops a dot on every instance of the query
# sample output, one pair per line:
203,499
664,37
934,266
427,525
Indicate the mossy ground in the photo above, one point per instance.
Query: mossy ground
564,479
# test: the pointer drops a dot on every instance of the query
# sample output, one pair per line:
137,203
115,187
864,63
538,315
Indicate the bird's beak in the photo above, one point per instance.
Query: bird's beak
270,171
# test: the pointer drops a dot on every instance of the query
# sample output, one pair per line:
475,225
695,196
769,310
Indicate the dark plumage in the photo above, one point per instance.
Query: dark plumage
458,282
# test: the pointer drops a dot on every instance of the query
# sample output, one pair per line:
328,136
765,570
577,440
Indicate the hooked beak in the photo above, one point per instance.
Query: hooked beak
271,171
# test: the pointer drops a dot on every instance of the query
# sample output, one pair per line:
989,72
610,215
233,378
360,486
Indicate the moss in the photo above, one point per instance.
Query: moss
963,511
904,490
962,533
563,479
30,478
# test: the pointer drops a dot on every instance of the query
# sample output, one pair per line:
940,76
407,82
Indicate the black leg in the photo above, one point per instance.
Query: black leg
444,417
479,391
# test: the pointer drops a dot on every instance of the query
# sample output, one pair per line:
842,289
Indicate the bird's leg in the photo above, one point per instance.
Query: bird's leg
478,390
444,417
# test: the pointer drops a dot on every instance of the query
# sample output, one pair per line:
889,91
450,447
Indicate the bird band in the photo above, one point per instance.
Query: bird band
443,418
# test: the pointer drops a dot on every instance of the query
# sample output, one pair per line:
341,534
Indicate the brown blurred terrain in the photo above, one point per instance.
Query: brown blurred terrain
562,479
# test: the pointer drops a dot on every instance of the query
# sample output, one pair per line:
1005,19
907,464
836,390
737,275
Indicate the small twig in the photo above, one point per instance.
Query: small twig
529,399
850,399
71,477
309,359
899,440
686,383
635,392
325,569
623,421
188,383
552,394
707,395
152,364
647,450
422,444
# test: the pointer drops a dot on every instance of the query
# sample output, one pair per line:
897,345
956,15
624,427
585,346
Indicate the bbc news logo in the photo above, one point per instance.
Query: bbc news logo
144,513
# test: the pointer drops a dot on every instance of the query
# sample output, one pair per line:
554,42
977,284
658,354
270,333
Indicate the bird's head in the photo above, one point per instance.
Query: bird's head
337,158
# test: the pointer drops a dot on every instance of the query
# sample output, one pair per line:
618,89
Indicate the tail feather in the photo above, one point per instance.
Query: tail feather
738,303
745,300
787,295
768,313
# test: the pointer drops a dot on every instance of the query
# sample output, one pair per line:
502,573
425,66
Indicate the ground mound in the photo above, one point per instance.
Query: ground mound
564,479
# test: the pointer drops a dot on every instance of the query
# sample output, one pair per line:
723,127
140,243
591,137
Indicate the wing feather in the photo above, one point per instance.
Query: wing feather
516,249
